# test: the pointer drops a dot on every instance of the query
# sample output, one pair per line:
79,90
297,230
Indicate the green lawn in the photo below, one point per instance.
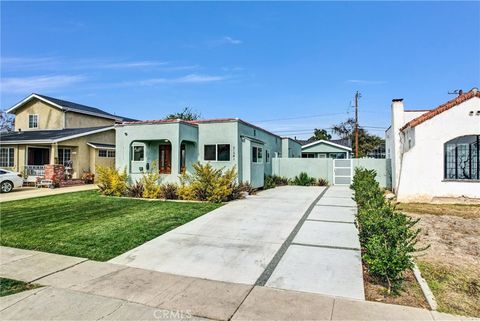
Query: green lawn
9,286
86,224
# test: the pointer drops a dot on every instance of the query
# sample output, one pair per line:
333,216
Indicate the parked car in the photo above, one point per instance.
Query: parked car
9,180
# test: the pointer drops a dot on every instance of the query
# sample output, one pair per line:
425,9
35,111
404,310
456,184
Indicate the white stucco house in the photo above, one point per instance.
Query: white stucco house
435,153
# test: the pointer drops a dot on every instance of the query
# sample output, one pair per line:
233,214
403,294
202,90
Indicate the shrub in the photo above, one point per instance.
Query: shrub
112,182
136,190
208,184
388,237
269,182
303,180
88,177
322,182
151,186
169,191
280,181
367,190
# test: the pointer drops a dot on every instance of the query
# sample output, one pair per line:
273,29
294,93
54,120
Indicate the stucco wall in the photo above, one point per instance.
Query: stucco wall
422,167
291,148
49,117
81,151
76,120
323,168
314,167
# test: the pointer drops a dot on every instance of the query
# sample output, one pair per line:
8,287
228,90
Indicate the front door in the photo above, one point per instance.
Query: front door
165,159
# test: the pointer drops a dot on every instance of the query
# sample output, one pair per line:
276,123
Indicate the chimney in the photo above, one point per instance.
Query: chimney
398,120
460,92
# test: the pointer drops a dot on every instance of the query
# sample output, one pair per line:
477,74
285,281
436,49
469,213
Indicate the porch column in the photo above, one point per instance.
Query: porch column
53,153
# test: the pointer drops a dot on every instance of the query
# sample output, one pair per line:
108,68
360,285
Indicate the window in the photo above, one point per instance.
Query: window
209,153
32,121
218,152
462,158
64,156
308,155
223,152
267,156
6,157
257,154
2,172
138,153
106,153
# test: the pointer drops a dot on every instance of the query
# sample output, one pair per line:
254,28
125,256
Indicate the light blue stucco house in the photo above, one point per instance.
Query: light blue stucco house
172,146
327,149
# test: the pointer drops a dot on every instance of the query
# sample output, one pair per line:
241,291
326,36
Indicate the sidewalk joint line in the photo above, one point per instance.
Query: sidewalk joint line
263,278
328,246
328,221
61,270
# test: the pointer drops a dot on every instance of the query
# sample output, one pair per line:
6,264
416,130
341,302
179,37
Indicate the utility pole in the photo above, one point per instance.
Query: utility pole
357,96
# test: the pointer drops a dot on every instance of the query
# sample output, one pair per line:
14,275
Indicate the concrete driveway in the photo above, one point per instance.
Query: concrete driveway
292,237
233,243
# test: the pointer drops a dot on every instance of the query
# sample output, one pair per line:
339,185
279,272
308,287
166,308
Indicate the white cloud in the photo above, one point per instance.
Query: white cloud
195,78
366,82
133,64
231,40
37,83
188,79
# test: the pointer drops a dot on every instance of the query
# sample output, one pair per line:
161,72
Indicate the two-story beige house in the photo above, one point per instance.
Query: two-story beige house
54,131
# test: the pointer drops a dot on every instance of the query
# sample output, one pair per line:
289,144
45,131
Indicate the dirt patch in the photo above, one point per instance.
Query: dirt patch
410,294
453,240
451,265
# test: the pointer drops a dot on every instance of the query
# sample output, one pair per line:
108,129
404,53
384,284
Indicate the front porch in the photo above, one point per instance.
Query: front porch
36,157
168,159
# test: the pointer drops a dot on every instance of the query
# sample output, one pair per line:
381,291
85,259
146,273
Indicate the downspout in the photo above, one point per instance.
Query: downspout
402,141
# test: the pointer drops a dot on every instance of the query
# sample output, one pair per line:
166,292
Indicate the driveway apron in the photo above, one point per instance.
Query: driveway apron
233,243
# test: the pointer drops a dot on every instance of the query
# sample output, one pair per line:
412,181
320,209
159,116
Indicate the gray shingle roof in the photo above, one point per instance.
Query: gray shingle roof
82,108
46,135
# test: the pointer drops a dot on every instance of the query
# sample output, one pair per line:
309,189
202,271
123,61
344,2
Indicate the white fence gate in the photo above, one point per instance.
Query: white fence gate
342,171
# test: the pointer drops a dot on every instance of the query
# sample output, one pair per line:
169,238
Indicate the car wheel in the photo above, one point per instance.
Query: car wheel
6,187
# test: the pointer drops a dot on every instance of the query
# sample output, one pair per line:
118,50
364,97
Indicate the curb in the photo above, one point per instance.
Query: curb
432,302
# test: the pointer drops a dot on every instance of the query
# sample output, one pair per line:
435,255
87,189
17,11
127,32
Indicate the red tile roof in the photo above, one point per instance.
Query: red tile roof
440,109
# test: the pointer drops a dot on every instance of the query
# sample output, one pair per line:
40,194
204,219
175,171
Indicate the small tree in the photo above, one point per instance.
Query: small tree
186,114
319,134
7,122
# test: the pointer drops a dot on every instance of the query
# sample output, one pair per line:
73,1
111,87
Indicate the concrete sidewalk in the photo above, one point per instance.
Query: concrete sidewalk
31,192
78,289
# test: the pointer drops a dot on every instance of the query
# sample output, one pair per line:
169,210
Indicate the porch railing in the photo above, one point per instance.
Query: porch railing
34,170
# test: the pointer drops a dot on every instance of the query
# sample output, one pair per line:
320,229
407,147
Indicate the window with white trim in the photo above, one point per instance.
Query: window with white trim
64,156
216,152
257,154
33,121
106,153
6,157
138,153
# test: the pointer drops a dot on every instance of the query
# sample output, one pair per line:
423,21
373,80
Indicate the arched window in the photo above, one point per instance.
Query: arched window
462,158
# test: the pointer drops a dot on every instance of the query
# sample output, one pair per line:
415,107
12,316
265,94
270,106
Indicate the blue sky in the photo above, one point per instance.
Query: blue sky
288,67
